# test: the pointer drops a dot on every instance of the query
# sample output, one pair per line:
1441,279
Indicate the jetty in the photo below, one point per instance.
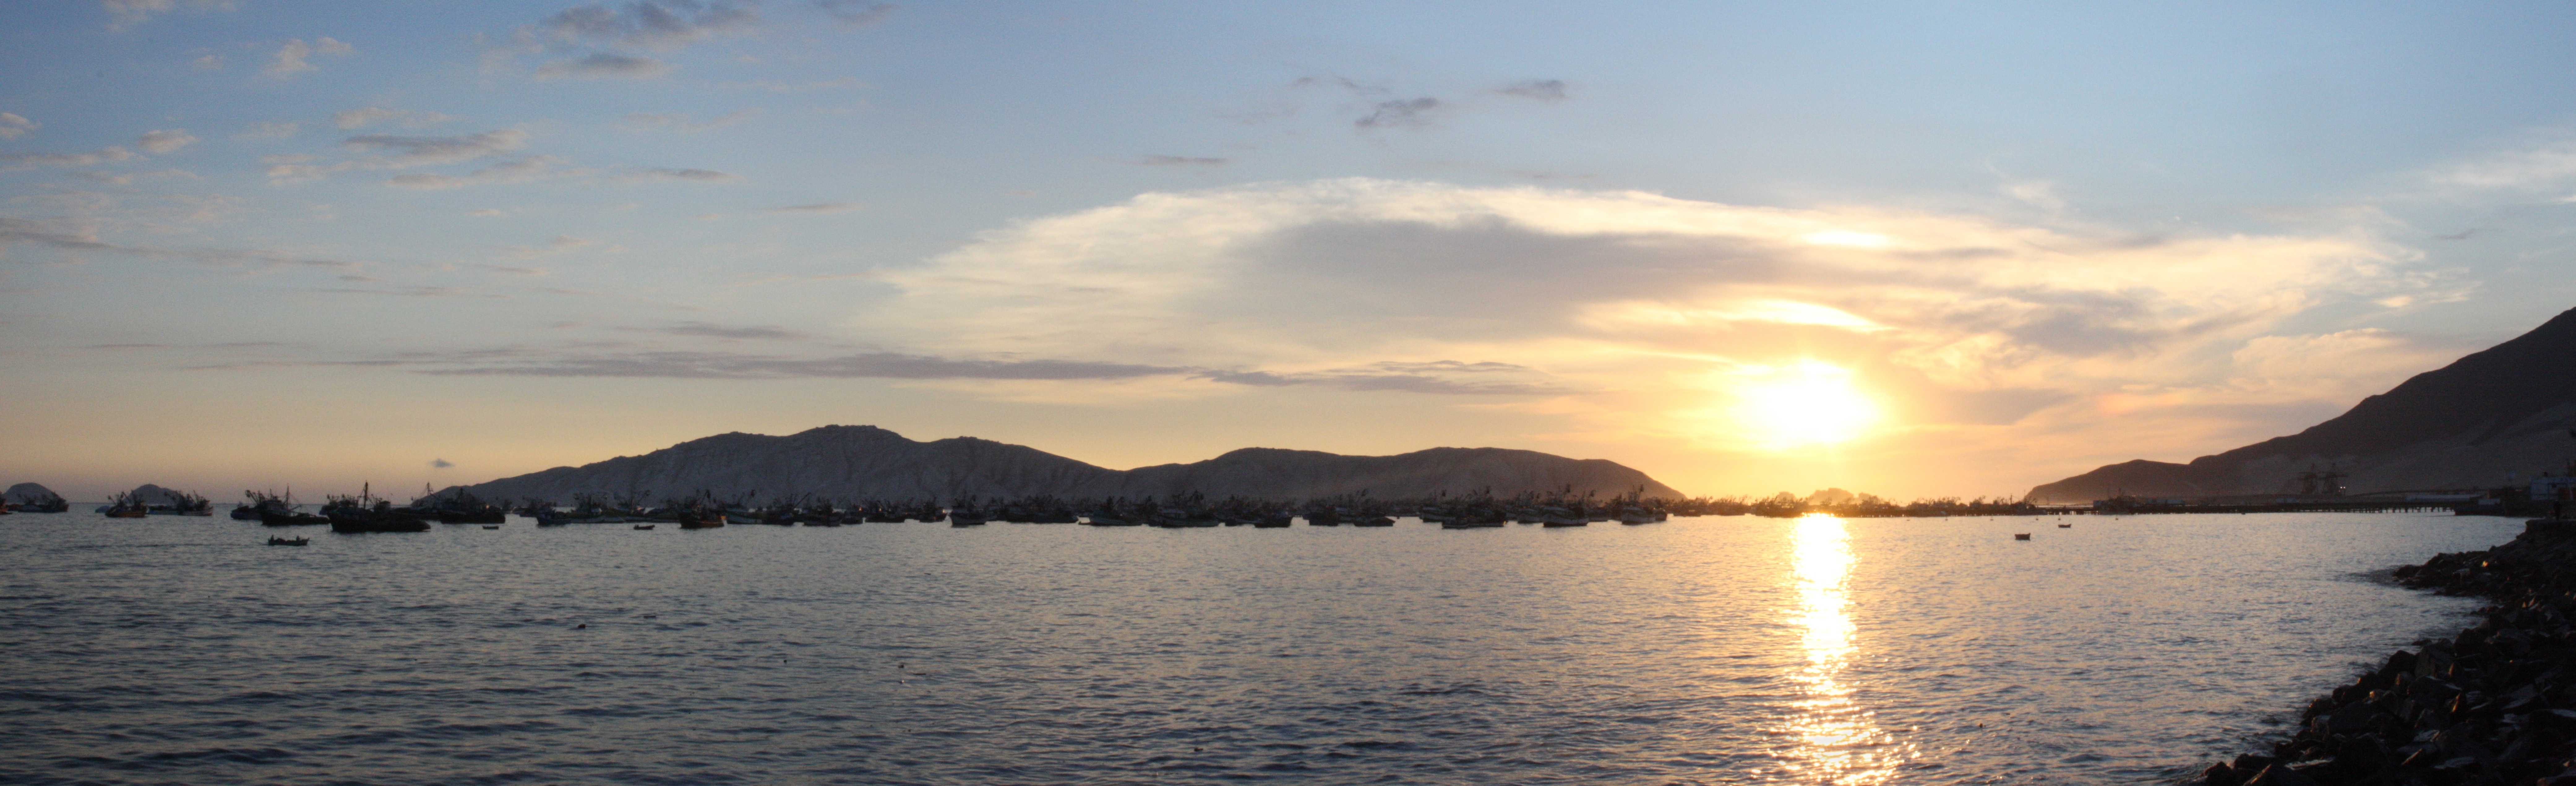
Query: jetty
2495,704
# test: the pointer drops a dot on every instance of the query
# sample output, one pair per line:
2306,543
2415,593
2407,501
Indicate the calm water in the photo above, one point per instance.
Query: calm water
1716,650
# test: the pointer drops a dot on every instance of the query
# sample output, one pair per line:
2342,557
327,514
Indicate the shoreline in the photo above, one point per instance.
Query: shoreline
2495,704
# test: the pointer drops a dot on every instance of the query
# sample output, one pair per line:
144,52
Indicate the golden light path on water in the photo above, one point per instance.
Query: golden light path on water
1835,740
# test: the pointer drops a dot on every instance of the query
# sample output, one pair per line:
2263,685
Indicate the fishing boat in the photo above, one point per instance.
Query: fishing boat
2021,536
643,526
295,541
49,503
702,520
125,506
357,514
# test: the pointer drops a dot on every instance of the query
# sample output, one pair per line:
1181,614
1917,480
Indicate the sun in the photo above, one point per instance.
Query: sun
1803,404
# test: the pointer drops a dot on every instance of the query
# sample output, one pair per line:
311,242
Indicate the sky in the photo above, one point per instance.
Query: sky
1915,249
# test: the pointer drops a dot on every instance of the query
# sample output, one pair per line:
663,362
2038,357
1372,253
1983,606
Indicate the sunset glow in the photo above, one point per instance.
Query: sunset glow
1810,403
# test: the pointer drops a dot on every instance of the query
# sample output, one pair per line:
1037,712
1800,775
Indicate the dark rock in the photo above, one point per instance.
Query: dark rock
2282,775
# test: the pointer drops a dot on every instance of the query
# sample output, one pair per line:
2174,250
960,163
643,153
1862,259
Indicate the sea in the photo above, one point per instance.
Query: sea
1748,650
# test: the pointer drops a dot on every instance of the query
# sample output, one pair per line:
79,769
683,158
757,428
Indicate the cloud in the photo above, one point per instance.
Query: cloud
208,62
882,365
1404,113
1180,161
127,13
411,151
1549,90
292,57
686,124
407,291
13,126
100,156
1447,377
684,175
354,119
856,13
440,463
165,142
128,178
269,131
487,213
720,331
605,65
661,25
833,83
557,245
13,230
1638,309
523,170
819,207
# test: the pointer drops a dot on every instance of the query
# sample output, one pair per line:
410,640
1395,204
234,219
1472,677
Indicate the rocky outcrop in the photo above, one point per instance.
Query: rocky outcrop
2495,704
24,493
856,462
155,495
2507,409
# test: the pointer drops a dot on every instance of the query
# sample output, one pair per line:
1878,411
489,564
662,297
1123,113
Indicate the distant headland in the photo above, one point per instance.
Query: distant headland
2496,418
866,462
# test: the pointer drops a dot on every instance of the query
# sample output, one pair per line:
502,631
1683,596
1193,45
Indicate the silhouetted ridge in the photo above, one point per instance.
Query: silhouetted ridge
2465,424
856,462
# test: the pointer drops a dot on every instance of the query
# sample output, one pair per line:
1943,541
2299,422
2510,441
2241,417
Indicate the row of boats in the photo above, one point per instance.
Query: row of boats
366,513
1175,511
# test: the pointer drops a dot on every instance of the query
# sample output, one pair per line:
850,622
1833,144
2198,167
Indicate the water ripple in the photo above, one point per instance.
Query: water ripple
1695,651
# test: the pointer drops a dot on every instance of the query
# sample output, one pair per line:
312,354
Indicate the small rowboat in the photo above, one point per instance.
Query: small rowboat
643,526
278,541
2021,536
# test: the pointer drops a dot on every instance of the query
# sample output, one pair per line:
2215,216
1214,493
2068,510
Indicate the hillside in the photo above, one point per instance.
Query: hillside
857,462
2508,408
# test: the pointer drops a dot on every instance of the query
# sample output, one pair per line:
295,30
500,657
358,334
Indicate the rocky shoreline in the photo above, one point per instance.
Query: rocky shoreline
2494,705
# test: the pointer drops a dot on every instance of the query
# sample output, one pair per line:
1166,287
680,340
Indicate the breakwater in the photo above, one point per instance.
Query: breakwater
2495,704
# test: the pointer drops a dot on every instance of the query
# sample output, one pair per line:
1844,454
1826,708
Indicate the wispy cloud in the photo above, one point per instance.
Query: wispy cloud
647,24
818,207
1180,161
410,151
882,365
856,13
269,131
294,57
523,170
1402,113
1550,90
13,126
605,65
99,156
707,330
687,124
362,117
165,142
683,175
128,13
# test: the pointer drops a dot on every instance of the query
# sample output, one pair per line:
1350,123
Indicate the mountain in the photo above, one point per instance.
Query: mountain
858,462
2506,409
155,495
27,492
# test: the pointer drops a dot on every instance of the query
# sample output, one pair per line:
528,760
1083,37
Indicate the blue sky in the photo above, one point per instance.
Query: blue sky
251,243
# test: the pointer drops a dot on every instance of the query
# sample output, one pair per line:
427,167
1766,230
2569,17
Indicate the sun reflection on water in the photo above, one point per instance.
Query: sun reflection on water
1833,739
